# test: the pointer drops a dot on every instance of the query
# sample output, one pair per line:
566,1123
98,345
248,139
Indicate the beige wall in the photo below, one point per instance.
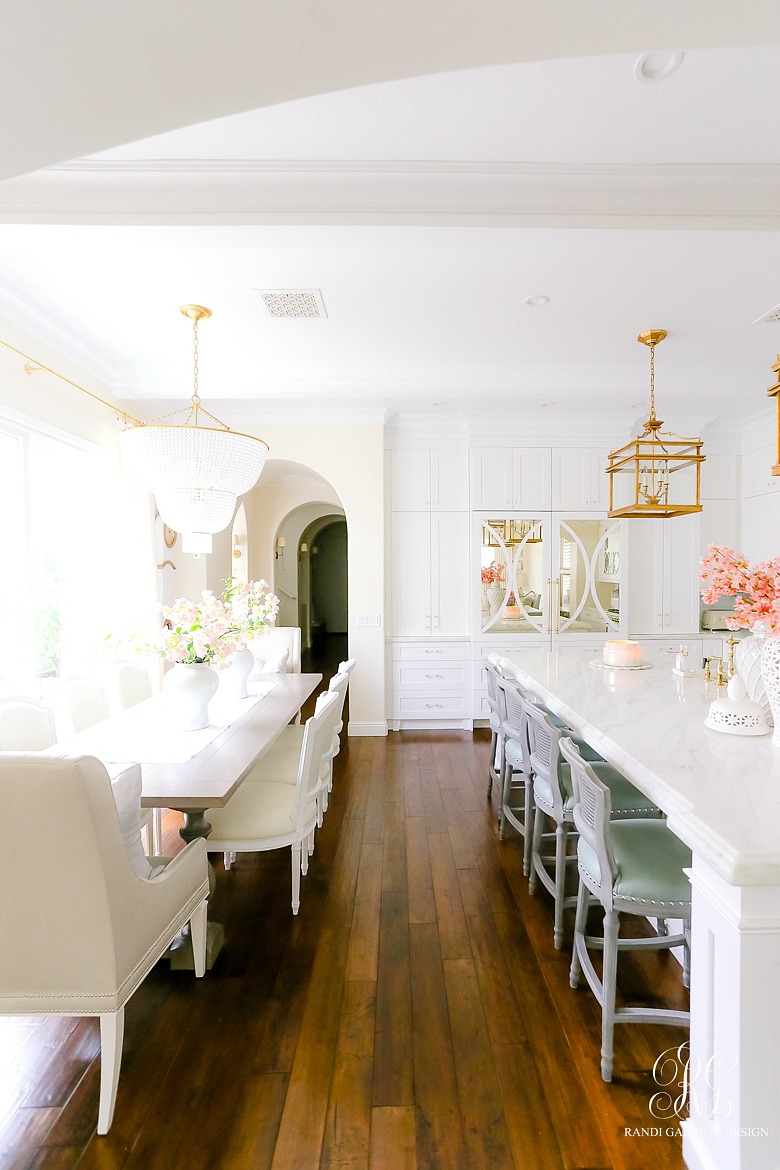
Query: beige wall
351,459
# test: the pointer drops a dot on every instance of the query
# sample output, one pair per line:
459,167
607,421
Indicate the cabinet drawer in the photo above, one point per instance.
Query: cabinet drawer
433,675
431,651
441,706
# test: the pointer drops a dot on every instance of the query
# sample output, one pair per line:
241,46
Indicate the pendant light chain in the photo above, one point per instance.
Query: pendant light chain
652,381
195,394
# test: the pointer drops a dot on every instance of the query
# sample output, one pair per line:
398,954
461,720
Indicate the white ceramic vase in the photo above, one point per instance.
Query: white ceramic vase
496,594
189,686
235,676
747,661
770,668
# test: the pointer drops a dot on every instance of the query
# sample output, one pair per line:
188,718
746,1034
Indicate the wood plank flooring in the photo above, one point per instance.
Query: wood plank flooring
413,1015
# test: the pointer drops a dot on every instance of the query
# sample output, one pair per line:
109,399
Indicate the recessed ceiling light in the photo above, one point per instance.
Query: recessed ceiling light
638,405
657,66
536,301
440,404
549,404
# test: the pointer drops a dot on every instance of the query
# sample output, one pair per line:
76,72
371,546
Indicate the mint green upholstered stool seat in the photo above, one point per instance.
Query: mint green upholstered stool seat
630,866
554,798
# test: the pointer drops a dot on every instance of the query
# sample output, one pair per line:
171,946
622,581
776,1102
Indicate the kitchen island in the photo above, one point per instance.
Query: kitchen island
720,793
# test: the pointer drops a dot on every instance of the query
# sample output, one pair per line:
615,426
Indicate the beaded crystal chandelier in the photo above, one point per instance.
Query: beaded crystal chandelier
658,473
196,470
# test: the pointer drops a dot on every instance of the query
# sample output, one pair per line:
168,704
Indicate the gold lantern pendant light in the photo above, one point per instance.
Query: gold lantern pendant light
658,473
196,471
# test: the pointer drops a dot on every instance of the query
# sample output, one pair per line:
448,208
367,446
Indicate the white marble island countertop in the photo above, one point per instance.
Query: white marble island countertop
721,792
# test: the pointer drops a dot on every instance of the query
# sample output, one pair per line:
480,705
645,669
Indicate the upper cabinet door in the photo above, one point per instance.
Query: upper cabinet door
599,493
572,478
580,479
449,481
491,477
531,478
411,481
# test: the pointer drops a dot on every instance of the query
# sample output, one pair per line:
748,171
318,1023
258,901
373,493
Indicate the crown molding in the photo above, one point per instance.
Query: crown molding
758,430
99,166
39,324
251,415
255,191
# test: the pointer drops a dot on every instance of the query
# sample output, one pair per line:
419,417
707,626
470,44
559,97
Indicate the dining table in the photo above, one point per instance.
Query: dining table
720,793
193,771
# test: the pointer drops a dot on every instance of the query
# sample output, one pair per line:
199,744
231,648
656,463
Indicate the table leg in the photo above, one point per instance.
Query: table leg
195,825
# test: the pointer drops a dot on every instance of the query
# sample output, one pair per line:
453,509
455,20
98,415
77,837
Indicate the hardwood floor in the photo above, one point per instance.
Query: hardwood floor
414,1014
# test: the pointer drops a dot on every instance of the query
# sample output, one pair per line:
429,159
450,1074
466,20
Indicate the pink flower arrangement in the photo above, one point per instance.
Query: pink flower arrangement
214,628
756,588
493,574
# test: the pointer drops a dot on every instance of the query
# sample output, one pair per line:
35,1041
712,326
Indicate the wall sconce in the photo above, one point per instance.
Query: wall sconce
281,545
303,550
236,547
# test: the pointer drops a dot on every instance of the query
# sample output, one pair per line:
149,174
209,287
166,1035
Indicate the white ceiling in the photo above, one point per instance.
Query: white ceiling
426,211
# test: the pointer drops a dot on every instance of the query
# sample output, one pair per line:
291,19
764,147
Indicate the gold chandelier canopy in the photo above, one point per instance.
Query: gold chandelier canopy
658,473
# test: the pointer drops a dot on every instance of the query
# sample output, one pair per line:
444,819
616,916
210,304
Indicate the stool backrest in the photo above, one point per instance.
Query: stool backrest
25,726
491,676
543,740
592,813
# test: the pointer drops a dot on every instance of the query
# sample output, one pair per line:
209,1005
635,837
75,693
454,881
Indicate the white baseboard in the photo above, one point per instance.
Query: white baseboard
366,728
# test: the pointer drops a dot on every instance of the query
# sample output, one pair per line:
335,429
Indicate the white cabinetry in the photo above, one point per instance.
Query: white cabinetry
429,480
431,684
510,477
430,574
429,580
664,561
579,480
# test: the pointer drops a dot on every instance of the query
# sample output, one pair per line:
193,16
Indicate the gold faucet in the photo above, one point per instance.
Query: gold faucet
732,643
720,680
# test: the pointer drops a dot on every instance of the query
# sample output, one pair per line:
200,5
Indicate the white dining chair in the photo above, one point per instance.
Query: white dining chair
26,726
133,685
85,928
275,640
274,813
81,703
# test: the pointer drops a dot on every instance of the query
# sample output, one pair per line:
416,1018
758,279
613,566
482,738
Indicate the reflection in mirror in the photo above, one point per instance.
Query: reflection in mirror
512,577
587,587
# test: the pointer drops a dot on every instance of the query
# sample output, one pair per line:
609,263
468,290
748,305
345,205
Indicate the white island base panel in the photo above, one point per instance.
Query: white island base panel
721,794
734,1121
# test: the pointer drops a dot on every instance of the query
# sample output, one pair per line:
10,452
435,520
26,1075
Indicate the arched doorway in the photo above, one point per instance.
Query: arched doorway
322,593
309,576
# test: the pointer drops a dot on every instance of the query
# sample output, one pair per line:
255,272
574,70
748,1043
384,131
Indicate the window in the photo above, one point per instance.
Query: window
65,551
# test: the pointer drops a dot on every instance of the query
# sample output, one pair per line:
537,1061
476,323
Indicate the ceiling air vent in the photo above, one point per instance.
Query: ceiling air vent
291,302
772,317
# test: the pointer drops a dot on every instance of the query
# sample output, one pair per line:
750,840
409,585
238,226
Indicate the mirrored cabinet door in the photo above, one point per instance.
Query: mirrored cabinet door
515,580
586,576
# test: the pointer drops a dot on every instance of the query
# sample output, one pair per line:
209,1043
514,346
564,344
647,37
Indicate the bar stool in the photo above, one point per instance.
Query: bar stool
630,867
517,802
496,759
554,798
